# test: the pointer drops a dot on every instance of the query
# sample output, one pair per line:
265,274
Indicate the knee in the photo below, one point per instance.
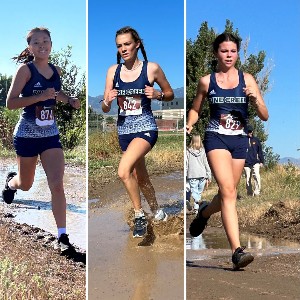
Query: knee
56,187
228,192
123,174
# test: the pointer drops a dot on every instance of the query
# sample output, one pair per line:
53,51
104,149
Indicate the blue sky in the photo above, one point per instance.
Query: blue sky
66,21
273,26
159,23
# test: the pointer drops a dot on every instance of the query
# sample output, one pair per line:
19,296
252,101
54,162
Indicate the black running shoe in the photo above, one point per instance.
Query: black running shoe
64,244
140,227
199,223
8,194
241,259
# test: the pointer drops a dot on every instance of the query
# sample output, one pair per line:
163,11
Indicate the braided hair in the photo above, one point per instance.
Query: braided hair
135,37
26,56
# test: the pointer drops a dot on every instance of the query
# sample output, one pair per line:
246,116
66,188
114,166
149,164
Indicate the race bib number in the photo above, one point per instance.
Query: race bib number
228,122
44,115
130,106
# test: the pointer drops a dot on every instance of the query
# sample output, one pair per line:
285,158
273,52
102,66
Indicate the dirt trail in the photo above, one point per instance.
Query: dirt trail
271,276
149,268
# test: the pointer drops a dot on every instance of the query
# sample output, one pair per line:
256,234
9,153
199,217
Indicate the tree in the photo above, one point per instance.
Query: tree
5,82
200,61
71,123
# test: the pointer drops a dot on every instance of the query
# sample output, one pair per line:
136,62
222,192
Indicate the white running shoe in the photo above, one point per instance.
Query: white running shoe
160,215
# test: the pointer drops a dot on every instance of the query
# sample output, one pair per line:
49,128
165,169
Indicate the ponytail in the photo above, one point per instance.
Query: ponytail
24,57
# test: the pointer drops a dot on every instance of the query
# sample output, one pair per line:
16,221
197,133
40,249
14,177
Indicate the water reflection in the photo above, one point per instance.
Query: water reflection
34,207
216,239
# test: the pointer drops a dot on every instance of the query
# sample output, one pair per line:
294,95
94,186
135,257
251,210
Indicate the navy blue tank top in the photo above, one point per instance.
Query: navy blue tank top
228,107
37,120
134,108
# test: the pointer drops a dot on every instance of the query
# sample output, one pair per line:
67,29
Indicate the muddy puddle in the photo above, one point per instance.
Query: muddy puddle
213,243
149,268
33,207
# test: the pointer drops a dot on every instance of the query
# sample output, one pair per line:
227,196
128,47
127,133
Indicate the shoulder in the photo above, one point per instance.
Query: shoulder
58,69
204,81
112,69
153,68
248,78
24,71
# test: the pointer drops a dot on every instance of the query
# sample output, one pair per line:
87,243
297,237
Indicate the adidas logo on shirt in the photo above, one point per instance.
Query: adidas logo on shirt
37,85
117,84
212,92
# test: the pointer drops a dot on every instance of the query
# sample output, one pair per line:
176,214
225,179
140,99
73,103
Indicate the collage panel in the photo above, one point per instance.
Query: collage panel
136,140
43,151
242,173
156,142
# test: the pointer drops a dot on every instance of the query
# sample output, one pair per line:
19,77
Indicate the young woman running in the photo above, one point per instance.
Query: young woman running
228,91
131,83
36,133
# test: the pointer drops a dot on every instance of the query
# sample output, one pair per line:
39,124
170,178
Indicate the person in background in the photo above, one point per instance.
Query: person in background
254,161
198,170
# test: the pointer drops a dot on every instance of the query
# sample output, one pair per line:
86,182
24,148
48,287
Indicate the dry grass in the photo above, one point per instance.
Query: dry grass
282,184
30,271
104,157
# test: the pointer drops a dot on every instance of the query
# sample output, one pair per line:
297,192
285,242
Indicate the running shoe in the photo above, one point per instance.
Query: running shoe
8,194
160,215
140,227
241,259
64,244
199,223
196,206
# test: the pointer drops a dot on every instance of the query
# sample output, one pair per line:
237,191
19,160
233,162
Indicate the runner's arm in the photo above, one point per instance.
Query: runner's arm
253,92
156,74
109,93
14,101
198,102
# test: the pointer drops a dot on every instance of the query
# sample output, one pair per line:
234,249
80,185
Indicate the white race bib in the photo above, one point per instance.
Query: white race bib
130,105
44,115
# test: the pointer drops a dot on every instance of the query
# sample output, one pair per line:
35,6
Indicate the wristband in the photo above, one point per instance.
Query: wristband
161,96
105,102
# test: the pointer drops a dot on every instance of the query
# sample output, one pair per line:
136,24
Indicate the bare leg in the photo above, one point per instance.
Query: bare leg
141,174
25,176
54,165
227,172
136,150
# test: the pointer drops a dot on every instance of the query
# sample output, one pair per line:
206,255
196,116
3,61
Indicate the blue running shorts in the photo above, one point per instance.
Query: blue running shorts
30,147
150,136
237,145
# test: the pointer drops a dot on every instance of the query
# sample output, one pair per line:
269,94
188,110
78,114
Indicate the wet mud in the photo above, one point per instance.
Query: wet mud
137,268
274,273
34,207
